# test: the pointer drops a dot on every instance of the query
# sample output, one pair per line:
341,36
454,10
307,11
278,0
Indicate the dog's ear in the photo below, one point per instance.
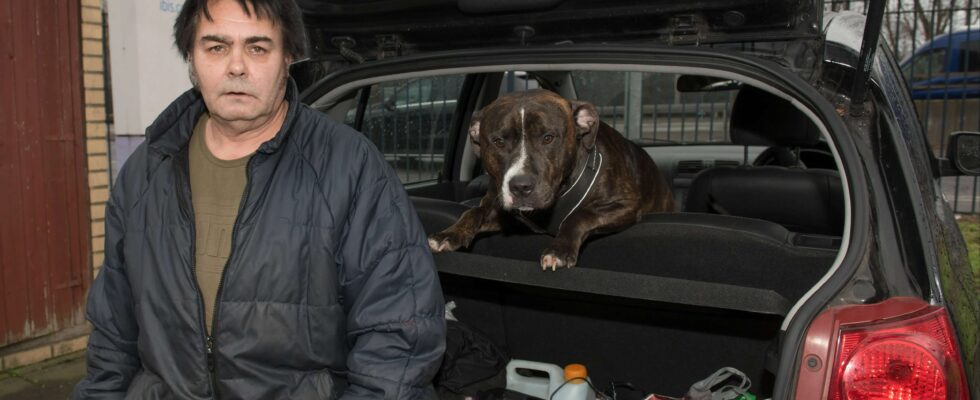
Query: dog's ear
474,133
586,122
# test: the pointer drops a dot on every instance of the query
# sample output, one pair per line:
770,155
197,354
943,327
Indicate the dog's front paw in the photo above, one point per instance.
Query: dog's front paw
555,257
445,241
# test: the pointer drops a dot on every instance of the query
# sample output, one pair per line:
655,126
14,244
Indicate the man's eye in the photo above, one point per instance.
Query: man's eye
257,50
498,142
216,49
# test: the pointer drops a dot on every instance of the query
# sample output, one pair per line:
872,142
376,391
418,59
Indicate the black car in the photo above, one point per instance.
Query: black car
811,247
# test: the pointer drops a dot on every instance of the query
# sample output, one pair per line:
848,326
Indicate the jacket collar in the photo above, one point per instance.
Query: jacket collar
172,129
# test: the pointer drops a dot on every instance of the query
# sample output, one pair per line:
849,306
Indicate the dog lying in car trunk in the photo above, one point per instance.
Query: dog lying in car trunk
555,167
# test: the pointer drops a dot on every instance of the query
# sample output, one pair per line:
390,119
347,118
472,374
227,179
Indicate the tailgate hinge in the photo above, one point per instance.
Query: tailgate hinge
389,46
685,30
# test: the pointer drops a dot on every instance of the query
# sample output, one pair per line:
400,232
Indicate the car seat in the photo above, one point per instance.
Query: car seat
802,200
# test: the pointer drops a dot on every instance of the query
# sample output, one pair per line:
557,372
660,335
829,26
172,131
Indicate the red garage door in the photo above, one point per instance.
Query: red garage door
44,217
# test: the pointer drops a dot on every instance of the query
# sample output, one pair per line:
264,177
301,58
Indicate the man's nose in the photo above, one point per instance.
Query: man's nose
236,64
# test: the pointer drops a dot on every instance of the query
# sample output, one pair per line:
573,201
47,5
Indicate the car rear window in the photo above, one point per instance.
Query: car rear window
657,113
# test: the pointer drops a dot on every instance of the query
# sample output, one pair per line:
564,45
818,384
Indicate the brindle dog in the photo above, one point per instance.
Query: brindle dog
545,154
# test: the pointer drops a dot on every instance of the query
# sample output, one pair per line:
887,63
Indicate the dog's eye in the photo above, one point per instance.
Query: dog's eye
498,141
548,138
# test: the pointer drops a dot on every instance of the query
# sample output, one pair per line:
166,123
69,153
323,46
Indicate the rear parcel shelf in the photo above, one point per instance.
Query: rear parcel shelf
615,284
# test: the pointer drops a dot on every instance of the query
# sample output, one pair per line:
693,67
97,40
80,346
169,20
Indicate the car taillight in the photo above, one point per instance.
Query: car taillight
898,349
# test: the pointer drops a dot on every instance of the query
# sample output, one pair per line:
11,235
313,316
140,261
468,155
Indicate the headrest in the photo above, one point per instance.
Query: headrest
760,118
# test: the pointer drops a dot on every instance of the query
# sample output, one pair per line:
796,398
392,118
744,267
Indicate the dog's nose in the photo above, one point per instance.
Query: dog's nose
521,185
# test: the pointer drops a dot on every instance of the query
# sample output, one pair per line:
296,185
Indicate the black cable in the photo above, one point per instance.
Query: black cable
625,384
598,394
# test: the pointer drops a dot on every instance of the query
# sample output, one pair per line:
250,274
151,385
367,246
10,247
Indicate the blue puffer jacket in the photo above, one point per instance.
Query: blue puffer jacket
329,279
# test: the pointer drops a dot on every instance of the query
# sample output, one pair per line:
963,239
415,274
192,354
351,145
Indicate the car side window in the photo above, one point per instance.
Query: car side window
658,113
970,56
409,121
412,94
926,65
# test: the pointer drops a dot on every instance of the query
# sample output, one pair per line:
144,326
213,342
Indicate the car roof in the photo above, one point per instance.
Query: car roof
950,39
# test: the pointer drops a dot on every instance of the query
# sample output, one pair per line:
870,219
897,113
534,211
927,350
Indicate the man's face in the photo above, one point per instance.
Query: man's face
239,64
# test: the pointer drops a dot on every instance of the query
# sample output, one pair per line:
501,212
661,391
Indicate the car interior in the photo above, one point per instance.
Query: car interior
761,213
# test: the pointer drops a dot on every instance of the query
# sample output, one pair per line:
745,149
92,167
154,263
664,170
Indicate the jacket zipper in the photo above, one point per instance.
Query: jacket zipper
188,206
211,342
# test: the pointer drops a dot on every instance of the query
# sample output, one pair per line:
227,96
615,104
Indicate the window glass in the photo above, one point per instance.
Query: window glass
409,120
970,56
517,81
648,109
926,65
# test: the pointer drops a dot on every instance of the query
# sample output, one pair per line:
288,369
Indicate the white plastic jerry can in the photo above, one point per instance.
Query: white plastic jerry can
532,385
576,387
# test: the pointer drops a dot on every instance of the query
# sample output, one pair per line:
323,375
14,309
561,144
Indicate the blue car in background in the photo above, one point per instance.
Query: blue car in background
947,67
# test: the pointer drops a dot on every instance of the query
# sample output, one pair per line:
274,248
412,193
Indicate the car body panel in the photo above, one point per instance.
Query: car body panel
923,220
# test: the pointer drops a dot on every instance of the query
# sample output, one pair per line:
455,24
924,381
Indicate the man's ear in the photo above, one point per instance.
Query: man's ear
192,73
474,133
586,122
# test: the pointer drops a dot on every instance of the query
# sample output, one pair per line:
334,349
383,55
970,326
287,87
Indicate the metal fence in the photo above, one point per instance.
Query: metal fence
647,108
938,45
409,120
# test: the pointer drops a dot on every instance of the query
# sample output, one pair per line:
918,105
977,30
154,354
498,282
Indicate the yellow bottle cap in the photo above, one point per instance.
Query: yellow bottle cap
573,371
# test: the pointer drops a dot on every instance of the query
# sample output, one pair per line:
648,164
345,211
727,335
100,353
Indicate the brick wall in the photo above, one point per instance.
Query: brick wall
96,130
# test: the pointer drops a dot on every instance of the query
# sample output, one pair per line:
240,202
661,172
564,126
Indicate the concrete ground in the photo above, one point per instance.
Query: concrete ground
52,379
962,193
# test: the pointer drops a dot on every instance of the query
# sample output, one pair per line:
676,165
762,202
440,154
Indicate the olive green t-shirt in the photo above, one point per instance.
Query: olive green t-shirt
217,187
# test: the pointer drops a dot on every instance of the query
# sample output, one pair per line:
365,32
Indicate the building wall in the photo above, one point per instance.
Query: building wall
147,73
96,129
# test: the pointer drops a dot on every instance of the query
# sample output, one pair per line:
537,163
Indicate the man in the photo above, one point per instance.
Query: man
254,248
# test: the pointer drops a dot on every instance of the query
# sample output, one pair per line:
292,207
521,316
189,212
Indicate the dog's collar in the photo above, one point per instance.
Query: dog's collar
571,199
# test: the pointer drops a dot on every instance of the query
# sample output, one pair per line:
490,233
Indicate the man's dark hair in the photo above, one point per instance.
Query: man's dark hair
284,14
